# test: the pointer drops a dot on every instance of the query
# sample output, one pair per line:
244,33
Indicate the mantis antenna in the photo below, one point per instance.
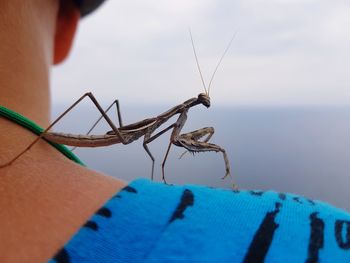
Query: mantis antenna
199,68
223,55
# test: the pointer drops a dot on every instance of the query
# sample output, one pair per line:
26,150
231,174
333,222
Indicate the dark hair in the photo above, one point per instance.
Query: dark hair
87,6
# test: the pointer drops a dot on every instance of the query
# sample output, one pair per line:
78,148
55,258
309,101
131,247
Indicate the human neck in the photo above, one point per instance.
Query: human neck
29,97
25,58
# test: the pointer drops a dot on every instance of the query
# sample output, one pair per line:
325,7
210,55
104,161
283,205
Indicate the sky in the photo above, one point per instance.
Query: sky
285,53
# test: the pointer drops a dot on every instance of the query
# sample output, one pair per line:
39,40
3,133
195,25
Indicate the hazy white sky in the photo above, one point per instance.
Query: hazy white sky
286,52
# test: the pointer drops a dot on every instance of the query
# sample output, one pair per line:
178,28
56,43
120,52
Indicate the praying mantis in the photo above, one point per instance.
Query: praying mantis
126,134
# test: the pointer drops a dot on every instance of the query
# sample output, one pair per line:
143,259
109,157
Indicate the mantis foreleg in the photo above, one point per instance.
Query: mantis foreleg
190,141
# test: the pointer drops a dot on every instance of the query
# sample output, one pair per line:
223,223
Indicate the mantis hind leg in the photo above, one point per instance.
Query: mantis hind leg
93,99
116,102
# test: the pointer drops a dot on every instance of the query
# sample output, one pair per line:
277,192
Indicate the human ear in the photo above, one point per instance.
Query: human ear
66,25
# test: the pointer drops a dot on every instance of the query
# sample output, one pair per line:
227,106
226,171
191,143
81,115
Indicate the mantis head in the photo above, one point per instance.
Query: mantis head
204,99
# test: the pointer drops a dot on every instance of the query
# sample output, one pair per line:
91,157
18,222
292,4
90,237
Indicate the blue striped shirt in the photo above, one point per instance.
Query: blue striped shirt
152,222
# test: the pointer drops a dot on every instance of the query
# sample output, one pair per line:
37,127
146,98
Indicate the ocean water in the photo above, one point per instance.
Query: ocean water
301,150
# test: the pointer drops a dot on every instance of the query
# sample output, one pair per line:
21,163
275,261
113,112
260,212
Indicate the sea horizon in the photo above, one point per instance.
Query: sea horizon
296,149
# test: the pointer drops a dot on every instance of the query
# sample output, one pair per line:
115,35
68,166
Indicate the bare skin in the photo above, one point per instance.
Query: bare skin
44,197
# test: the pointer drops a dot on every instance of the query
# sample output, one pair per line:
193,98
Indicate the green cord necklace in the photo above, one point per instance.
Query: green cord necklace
36,129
